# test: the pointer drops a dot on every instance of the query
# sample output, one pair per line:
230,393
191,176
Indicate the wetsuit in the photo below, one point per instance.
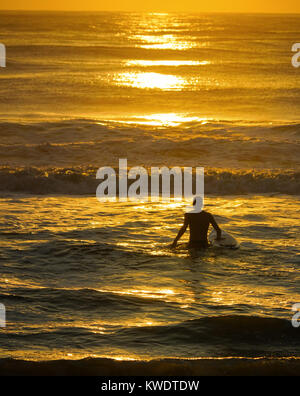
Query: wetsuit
199,224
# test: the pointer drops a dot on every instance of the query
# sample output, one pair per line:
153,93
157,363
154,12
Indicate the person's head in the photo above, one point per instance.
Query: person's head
197,204
198,201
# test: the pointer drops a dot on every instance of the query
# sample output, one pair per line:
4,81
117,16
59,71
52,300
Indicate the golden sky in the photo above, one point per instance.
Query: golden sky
290,6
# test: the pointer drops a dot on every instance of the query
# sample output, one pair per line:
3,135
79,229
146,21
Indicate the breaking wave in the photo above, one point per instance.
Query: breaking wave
82,181
162,367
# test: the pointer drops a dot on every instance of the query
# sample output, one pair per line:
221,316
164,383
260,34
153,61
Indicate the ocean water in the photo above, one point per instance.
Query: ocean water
83,279
113,65
80,278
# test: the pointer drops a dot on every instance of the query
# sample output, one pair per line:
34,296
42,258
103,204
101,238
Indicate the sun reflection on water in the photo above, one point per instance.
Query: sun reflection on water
172,119
150,80
160,119
146,63
160,293
165,41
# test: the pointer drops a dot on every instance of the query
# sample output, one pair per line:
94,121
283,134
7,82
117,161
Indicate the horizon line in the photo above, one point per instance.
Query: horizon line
156,12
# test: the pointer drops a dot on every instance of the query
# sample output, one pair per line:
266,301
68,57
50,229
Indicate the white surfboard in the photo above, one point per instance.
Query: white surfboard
227,241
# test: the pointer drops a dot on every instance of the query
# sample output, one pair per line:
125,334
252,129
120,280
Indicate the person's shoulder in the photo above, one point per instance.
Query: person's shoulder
205,212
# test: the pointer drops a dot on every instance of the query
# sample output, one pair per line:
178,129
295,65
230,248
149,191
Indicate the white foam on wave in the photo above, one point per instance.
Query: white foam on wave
82,181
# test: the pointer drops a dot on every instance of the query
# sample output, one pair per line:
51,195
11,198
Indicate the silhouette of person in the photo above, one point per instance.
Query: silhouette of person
198,221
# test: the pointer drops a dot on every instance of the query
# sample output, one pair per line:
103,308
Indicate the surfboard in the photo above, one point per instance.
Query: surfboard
227,241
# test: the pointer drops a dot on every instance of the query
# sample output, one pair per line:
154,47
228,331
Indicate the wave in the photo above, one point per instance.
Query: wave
79,299
236,345
231,335
185,141
82,181
62,156
161,367
263,334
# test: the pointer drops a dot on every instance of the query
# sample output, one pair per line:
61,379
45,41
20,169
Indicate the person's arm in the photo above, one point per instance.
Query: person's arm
216,227
181,232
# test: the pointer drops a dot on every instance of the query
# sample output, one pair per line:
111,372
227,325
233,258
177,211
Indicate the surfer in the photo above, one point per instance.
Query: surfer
199,222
